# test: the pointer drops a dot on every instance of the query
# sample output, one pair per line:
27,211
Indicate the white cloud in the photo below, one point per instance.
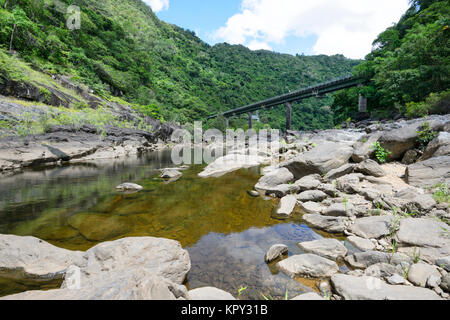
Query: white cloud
158,5
341,26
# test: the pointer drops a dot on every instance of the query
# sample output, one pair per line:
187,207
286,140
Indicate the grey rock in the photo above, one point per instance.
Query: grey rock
429,172
327,248
279,191
312,195
275,252
171,174
434,281
328,224
275,178
349,183
339,172
253,193
308,182
129,187
309,265
324,158
423,233
286,206
372,227
210,293
381,270
310,296
361,243
440,146
371,168
420,272
370,288
311,207
363,260
410,157
445,283
444,263
329,189
396,279
340,210
230,163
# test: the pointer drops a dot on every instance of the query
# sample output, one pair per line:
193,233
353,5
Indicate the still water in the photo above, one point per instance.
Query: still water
225,231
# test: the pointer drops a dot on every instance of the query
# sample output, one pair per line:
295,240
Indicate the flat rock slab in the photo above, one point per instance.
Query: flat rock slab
423,233
36,258
361,243
210,293
308,182
311,207
429,173
327,248
310,296
286,206
309,265
312,195
275,252
370,288
328,224
339,210
230,163
372,227
339,172
363,260
275,178
371,168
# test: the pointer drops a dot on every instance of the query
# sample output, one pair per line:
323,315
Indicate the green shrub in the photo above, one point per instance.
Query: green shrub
442,195
436,103
380,153
425,136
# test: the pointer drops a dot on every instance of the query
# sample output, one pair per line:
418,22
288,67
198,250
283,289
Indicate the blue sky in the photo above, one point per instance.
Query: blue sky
288,26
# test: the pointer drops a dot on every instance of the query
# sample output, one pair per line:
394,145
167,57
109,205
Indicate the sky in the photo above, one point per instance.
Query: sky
307,27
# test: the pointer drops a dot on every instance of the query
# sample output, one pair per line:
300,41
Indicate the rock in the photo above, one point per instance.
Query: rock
275,178
311,207
381,270
429,172
253,193
329,189
312,195
340,210
310,296
171,174
339,172
100,227
420,272
286,206
230,163
361,243
327,248
370,288
423,233
34,259
396,279
434,281
440,146
410,157
210,293
137,284
445,283
328,224
371,168
372,227
444,263
322,159
308,182
309,265
364,150
416,200
275,252
349,183
363,260
129,187
279,191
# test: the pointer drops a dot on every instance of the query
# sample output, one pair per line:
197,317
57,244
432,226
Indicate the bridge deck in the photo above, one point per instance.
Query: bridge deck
312,91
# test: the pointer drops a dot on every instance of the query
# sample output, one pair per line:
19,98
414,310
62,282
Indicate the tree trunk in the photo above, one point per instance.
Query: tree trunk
12,38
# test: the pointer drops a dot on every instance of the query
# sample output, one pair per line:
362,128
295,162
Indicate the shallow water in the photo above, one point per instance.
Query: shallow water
226,232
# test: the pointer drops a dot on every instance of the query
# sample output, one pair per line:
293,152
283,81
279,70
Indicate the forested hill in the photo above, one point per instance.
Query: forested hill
123,50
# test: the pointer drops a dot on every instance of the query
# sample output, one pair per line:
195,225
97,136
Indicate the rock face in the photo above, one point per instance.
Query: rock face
429,172
275,252
420,273
286,206
322,159
372,227
423,233
309,265
371,168
328,224
210,293
130,268
35,258
370,288
327,248
129,187
230,163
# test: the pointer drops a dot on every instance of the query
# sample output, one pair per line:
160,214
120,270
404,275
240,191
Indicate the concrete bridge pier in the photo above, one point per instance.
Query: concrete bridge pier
250,120
288,115
362,106
227,121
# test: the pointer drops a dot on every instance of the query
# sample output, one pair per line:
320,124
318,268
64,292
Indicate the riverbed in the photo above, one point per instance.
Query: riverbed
226,231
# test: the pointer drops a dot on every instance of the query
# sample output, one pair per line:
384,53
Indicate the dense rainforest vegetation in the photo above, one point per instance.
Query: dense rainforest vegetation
123,50
408,70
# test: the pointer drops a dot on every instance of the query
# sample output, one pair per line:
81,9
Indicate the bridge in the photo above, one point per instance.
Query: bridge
289,98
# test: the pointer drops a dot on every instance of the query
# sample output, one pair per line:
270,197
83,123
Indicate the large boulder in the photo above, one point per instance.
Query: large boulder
423,233
328,224
370,288
327,248
429,172
372,227
210,293
320,160
309,265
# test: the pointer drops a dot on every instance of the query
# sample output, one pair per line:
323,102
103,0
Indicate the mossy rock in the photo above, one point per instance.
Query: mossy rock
100,227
